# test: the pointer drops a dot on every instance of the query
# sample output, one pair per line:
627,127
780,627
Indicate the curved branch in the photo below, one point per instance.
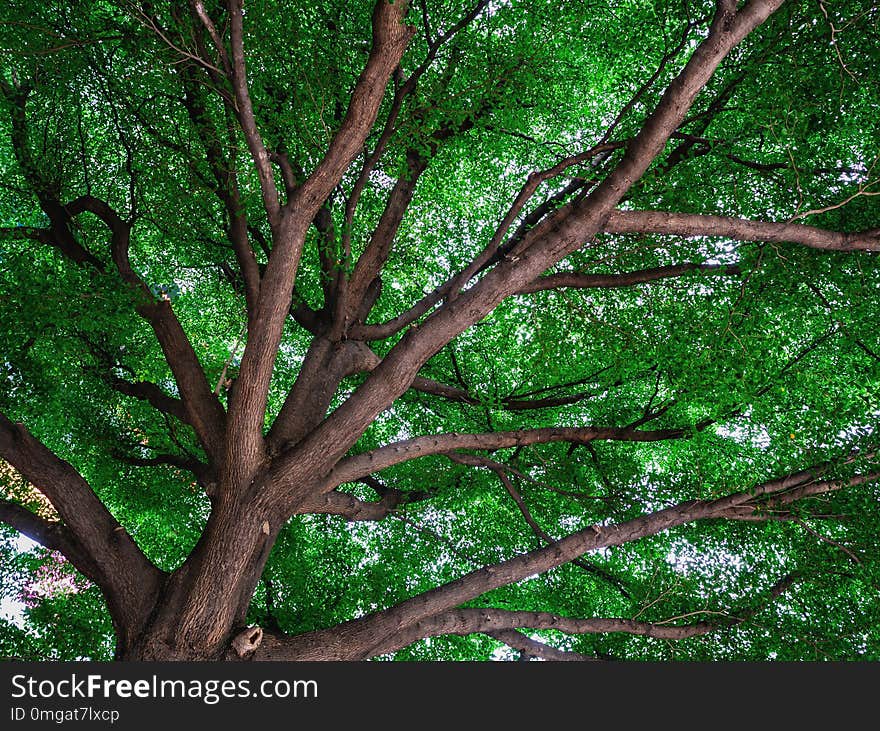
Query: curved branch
128,579
556,237
226,179
352,468
465,621
576,280
204,410
347,641
152,394
247,409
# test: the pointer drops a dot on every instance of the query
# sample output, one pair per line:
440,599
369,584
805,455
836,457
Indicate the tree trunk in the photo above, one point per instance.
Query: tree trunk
202,606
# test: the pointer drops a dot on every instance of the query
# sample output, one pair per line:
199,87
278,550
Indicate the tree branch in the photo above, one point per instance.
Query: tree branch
465,621
129,581
152,394
532,648
348,639
490,253
355,467
248,406
556,237
691,225
246,117
390,39
226,179
577,280
204,411
52,534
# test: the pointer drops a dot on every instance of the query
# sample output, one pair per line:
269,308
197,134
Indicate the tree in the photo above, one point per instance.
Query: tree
350,330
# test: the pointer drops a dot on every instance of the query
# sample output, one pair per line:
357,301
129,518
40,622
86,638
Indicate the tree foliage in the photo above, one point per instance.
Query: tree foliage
458,330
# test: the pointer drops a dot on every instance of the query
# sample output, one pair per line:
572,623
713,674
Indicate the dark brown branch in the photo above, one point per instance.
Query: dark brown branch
513,402
532,648
245,112
152,394
58,234
204,411
690,225
247,409
489,253
395,621
199,469
577,280
557,236
226,187
371,261
352,468
667,57
390,39
458,621
54,535
401,93
501,470
128,579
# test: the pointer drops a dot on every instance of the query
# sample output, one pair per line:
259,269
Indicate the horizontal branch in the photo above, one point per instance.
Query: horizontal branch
510,403
200,470
352,468
576,280
739,229
500,623
352,508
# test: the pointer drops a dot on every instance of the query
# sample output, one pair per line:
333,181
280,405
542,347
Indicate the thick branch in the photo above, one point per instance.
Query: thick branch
248,407
354,509
556,237
468,621
739,229
52,534
205,413
352,468
390,39
347,640
115,562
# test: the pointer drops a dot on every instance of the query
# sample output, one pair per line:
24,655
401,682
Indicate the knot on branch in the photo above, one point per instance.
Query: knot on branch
245,643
